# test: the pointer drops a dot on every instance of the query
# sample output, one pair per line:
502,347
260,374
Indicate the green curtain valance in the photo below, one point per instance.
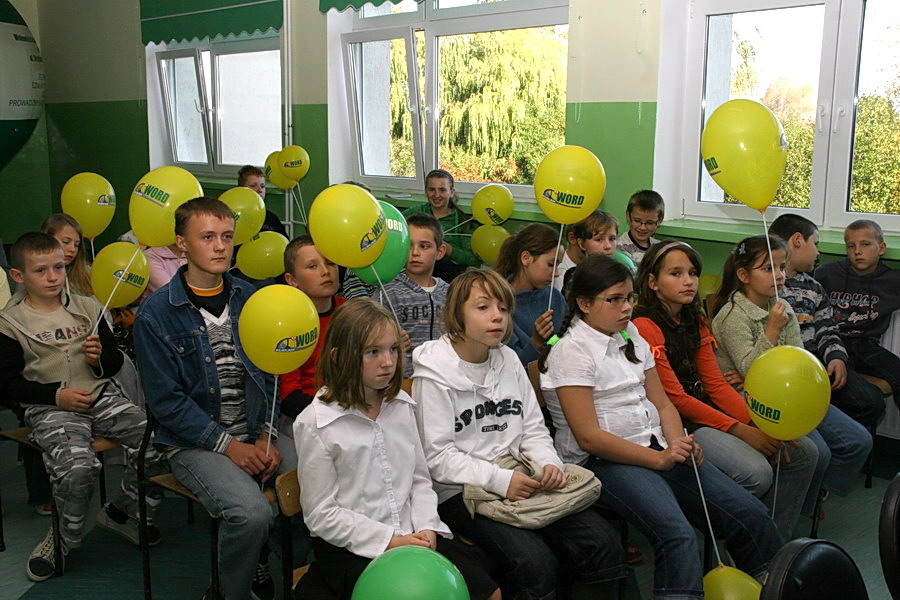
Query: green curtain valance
326,5
166,20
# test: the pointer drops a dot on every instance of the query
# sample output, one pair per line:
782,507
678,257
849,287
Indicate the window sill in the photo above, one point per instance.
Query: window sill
522,211
830,242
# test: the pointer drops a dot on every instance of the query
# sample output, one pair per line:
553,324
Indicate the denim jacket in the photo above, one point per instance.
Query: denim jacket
178,368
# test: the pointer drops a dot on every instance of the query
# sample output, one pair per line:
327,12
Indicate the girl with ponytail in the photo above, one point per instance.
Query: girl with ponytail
612,415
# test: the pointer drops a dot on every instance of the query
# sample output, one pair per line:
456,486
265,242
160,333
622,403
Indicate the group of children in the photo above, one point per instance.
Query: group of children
642,389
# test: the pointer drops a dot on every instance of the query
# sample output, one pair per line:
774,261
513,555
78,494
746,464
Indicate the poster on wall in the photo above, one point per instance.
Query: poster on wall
21,82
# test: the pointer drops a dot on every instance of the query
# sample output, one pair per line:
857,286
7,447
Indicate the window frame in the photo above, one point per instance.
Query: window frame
435,23
681,102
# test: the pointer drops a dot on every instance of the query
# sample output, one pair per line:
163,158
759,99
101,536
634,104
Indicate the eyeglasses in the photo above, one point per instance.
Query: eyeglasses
645,223
618,301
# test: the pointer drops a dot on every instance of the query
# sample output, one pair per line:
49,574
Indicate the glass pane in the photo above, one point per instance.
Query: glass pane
185,108
456,3
249,110
382,97
875,179
771,56
502,102
389,8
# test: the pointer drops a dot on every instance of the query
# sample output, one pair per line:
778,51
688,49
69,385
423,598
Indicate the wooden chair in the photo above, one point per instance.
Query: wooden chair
885,388
407,386
287,491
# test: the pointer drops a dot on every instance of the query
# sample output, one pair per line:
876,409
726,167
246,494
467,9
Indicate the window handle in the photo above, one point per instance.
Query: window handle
822,115
841,111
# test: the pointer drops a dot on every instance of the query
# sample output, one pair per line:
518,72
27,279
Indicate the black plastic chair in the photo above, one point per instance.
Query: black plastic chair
808,569
889,537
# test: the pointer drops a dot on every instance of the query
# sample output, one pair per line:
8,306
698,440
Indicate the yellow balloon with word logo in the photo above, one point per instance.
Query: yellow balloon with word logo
569,184
263,255
293,162
788,392
279,328
89,199
492,204
122,267
274,174
486,242
151,208
249,212
348,225
728,583
744,149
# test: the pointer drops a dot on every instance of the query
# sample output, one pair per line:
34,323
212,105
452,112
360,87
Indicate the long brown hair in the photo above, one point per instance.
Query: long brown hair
652,264
353,327
535,239
77,272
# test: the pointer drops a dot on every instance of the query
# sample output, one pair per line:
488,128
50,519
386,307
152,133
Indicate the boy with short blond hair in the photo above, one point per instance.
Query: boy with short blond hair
416,296
864,294
307,270
597,233
644,213
59,371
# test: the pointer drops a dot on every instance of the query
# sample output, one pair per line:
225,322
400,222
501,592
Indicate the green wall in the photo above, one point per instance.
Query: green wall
25,185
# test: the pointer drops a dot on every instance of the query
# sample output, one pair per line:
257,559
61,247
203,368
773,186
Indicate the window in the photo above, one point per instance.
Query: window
222,103
476,87
829,70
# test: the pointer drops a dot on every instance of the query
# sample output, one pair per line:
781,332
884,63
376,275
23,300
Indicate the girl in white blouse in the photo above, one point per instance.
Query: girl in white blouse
364,484
613,416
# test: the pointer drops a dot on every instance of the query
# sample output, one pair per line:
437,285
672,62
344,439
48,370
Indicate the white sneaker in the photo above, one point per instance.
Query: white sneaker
42,561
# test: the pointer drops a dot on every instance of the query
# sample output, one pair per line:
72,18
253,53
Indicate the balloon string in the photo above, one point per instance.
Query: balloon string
271,423
298,200
555,259
470,219
93,254
705,510
771,260
385,294
115,287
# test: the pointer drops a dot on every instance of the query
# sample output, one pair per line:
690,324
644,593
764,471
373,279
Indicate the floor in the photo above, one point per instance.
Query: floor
107,567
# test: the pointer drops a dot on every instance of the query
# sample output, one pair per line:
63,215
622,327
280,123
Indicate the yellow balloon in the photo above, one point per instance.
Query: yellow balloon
788,392
89,199
486,242
744,150
279,327
263,255
709,284
728,583
151,208
492,204
569,184
274,174
348,225
249,212
293,162
122,267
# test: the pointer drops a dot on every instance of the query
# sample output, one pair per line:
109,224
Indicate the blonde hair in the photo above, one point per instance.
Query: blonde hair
493,285
354,326
77,272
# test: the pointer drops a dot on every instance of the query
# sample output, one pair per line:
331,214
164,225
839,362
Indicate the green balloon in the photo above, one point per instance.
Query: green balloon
392,259
410,573
625,260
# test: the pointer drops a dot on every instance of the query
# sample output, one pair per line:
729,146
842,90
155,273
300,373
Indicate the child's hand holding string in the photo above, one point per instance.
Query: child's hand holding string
92,348
543,329
778,318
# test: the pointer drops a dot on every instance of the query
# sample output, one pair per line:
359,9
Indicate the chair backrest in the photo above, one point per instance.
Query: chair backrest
406,386
808,569
889,537
534,376
287,490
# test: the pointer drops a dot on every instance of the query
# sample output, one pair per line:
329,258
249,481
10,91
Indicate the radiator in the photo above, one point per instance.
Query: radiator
890,425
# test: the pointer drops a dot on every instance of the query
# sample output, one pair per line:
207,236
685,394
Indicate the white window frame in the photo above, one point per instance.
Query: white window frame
435,22
211,122
681,107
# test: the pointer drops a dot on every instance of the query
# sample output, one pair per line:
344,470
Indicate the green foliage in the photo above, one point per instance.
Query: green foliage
875,182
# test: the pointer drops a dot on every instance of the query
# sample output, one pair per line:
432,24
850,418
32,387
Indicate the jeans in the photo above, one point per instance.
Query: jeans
843,446
756,473
245,514
867,357
663,504
529,562
859,399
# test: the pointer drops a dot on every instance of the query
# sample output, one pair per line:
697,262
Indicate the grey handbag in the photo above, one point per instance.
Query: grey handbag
542,508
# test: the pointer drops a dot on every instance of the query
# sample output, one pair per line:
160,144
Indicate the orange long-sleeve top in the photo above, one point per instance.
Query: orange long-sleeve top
731,406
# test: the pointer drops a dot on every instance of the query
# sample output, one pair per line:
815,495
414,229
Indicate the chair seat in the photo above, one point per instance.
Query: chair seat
169,482
883,386
20,435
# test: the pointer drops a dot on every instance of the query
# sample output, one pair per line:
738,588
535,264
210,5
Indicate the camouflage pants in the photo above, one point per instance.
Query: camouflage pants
65,438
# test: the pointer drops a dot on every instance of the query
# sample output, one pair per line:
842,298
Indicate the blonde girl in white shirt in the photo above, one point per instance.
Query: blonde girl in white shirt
612,415
364,484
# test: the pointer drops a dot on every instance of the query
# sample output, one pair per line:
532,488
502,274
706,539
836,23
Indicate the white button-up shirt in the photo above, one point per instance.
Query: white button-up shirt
588,358
363,481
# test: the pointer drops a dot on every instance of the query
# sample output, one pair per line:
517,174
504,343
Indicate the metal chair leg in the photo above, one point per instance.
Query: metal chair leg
870,461
287,557
814,531
2,541
57,545
214,558
102,478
